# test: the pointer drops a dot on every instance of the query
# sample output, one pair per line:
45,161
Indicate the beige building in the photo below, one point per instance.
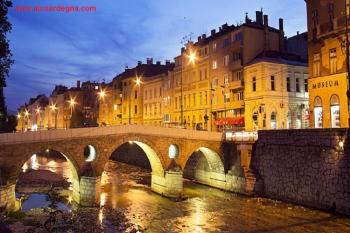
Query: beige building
276,92
125,101
328,64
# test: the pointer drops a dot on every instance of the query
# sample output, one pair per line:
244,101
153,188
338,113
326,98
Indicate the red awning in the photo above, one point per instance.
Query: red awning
230,121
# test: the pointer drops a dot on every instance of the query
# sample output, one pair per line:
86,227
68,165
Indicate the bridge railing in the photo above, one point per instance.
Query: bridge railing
58,134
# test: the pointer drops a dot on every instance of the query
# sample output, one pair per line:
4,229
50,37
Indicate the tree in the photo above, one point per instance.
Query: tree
5,55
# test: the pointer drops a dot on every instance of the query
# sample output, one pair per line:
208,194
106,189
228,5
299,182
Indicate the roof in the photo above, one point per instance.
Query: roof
146,71
279,57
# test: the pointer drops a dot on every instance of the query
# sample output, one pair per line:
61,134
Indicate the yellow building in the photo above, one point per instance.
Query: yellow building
328,65
276,92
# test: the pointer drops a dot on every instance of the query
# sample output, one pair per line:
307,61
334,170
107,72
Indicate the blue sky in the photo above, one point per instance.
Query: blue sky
60,48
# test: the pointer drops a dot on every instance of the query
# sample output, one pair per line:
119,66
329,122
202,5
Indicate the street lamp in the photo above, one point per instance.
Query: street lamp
26,114
72,103
138,82
101,94
192,57
19,116
53,108
38,111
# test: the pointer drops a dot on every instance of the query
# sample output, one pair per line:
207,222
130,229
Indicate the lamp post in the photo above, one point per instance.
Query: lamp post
19,116
192,57
53,108
347,57
137,83
38,111
72,103
26,114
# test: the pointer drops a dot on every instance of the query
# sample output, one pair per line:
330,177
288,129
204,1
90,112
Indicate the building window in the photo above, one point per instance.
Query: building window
273,120
145,94
254,84
215,65
239,96
335,112
205,51
215,83
200,75
238,75
306,86
318,112
205,74
226,60
214,47
316,65
135,94
226,43
272,83
135,110
333,60
206,98
297,85
200,99
226,79
288,84
255,119
226,97
194,99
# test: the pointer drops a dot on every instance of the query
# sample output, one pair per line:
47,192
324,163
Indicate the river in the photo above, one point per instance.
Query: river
126,188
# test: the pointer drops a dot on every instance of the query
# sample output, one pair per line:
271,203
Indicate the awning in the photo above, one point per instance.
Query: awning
230,121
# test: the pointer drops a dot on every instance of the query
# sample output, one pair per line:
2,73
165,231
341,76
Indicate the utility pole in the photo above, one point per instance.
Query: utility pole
347,58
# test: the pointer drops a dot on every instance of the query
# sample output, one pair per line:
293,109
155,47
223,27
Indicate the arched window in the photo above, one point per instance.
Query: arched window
255,119
318,112
335,111
273,120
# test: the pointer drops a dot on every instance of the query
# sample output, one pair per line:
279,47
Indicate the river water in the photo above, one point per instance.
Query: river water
127,189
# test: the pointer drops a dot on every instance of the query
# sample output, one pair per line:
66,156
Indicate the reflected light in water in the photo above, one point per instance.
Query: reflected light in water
100,216
103,199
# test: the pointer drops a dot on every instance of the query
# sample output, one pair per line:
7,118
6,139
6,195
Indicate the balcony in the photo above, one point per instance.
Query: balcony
235,65
236,84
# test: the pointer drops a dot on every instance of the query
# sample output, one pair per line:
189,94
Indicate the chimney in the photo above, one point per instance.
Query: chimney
281,28
204,36
282,41
224,26
297,33
149,61
182,50
213,32
199,38
78,84
167,62
266,20
158,63
139,63
259,17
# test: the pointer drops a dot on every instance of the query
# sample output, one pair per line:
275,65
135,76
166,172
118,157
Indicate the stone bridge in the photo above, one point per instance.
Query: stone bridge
170,151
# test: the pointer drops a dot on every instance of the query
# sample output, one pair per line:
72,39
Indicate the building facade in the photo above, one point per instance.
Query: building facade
328,64
276,92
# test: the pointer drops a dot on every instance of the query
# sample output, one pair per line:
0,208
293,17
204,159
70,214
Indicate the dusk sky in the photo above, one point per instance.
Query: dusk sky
60,48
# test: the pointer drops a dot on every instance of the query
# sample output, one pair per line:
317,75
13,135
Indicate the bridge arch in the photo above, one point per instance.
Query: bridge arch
73,166
153,154
204,165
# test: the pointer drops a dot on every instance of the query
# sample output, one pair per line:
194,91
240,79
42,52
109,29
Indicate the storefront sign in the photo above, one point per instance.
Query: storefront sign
319,85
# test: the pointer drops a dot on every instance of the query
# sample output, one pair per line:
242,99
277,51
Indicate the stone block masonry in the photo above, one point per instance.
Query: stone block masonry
7,197
309,167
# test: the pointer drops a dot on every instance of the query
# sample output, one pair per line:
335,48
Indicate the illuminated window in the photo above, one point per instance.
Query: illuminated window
318,112
316,64
288,84
226,60
215,65
335,112
333,61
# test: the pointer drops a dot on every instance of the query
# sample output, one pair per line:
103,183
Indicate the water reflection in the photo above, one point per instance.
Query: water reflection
127,189
39,200
56,164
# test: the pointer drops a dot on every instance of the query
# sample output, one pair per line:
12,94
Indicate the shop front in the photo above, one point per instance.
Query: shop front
328,102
